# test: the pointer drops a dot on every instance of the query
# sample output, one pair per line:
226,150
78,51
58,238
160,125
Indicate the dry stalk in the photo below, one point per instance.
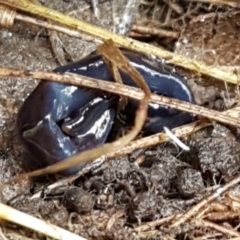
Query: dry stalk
198,207
10,214
124,90
158,138
206,224
57,28
129,43
153,31
222,216
152,225
231,3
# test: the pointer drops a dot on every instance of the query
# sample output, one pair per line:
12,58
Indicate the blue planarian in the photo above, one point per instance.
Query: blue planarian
57,120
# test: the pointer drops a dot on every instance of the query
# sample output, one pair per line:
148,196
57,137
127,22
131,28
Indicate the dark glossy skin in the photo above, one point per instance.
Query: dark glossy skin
47,137
57,121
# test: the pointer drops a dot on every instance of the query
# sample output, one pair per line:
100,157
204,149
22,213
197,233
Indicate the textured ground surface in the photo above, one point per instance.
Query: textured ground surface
116,201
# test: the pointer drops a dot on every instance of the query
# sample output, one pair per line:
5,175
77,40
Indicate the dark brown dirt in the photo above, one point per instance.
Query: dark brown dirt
169,181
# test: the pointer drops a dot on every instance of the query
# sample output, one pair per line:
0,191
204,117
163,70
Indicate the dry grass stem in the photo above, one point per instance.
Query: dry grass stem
10,214
231,3
197,208
129,43
151,225
65,181
206,224
124,90
153,31
158,138
57,28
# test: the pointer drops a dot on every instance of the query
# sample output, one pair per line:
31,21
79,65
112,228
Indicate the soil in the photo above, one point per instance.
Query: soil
116,200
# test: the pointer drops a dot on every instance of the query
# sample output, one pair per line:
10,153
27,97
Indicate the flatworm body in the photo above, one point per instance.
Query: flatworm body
57,120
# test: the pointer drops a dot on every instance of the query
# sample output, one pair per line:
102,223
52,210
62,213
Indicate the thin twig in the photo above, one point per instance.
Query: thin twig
124,90
158,139
174,6
231,3
65,181
151,225
206,224
58,28
152,31
195,210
